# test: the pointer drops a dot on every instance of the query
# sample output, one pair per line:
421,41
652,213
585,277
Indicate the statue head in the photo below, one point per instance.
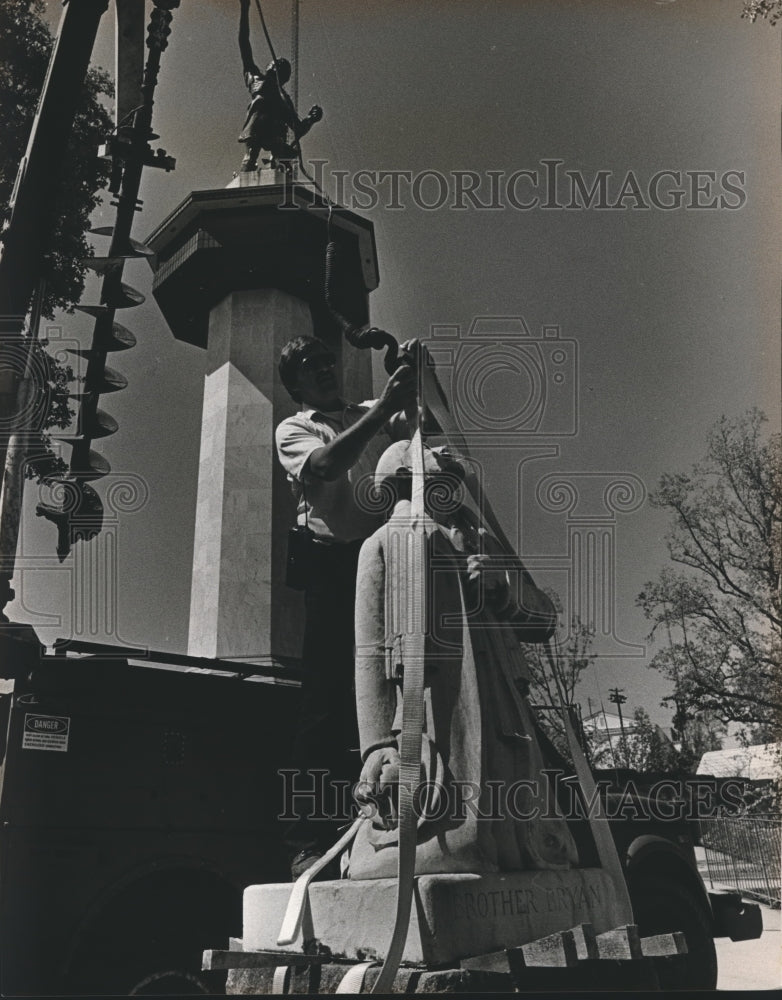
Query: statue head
444,472
280,69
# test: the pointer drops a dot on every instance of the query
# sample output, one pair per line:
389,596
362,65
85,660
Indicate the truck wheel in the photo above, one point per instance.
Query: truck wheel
149,940
662,905
151,974
174,982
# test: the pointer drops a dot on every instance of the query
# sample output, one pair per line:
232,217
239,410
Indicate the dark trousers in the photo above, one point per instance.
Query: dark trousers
327,731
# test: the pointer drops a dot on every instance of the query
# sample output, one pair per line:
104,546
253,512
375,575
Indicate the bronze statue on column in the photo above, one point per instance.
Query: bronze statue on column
270,113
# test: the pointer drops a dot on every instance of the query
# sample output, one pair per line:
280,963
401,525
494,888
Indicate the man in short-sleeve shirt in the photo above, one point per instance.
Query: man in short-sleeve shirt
329,450
339,509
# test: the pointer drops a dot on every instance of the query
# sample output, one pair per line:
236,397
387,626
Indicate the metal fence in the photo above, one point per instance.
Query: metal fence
743,852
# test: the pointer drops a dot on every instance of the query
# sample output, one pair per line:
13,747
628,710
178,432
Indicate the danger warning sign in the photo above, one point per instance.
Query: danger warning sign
46,732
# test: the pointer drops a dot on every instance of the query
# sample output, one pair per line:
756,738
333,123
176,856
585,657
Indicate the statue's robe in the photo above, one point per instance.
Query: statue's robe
479,742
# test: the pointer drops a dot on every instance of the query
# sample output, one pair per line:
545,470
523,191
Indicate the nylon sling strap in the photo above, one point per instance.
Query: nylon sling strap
599,827
353,980
281,981
291,923
408,575
598,824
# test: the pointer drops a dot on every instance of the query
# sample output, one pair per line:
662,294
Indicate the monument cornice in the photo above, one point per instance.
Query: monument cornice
250,236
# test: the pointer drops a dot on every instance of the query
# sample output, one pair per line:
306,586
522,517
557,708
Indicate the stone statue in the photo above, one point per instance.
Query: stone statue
485,806
270,113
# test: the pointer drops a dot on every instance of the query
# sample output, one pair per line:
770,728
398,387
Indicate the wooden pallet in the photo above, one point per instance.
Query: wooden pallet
282,972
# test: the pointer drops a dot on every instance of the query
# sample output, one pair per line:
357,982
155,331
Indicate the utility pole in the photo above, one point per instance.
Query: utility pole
608,733
619,698
680,718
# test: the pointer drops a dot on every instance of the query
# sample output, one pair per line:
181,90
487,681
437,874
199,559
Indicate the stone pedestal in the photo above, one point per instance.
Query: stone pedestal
454,917
240,531
238,273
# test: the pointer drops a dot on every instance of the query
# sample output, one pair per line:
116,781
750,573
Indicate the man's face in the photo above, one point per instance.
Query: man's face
316,379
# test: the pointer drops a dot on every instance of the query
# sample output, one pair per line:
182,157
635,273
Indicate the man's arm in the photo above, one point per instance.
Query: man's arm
248,63
336,458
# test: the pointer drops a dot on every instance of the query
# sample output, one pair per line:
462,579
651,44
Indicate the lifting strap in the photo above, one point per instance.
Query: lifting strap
294,911
353,980
281,981
598,824
411,581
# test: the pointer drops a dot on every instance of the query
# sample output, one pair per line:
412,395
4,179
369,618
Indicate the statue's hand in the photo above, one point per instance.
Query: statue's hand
301,128
380,770
493,581
375,792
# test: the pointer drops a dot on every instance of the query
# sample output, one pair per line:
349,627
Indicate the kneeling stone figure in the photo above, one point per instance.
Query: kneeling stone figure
484,803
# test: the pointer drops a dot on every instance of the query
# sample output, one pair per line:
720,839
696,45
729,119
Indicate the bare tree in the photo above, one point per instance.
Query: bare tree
571,656
722,612
769,10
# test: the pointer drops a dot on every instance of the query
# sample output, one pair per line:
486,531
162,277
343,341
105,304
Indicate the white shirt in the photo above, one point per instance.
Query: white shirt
343,509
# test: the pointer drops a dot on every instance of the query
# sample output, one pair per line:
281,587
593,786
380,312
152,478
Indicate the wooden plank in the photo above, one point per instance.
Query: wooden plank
219,959
621,943
586,942
664,944
555,951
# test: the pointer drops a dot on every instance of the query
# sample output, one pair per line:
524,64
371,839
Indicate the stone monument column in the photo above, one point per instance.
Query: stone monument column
238,273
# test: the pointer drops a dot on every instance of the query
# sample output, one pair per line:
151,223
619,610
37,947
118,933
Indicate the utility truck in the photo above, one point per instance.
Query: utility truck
139,799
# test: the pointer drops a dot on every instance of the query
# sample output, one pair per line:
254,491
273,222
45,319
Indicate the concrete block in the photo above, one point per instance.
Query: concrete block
454,916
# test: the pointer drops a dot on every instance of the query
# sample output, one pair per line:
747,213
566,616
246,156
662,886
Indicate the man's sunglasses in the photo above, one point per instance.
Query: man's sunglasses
315,361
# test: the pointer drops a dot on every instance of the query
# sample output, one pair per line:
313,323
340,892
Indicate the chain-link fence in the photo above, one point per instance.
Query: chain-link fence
743,852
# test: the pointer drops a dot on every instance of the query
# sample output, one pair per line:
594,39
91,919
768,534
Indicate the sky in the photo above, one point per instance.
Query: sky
667,305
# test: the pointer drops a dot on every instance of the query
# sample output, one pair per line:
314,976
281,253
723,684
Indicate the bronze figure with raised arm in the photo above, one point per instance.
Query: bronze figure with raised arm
270,113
